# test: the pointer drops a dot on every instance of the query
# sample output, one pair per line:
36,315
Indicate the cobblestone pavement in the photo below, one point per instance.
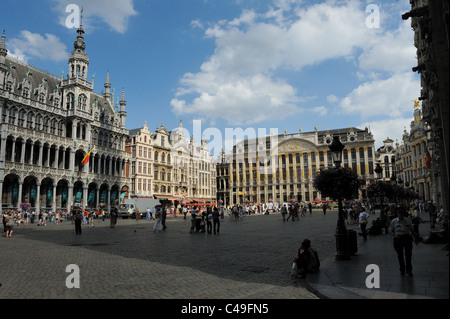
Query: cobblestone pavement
250,259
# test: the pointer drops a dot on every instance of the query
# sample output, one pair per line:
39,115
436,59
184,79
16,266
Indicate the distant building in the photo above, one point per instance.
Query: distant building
386,158
413,161
167,166
282,168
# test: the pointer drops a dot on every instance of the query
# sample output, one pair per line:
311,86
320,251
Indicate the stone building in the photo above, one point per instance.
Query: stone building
430,22
413,163
282,168
385,156
168,166
48,124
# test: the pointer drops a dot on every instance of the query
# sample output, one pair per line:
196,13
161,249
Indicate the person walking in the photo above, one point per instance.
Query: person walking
310,208
209,220
363,220
148,214
78,220
402,231
283,213
163,218
114,215
158,224
216,220
324,208
9,225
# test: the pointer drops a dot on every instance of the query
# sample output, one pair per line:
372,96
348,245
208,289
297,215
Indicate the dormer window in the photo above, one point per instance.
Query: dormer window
41,97
25,92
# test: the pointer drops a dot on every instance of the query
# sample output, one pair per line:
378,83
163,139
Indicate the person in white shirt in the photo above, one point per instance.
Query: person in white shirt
402,231
363,221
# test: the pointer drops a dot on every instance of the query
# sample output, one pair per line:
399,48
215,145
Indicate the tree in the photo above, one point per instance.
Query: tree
338,183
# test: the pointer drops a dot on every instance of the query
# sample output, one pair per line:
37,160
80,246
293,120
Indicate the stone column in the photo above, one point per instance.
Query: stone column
38,199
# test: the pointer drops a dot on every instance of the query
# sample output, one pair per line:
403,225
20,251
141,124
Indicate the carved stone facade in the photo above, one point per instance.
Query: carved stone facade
167,166
413,166
48,124
430,22
282,168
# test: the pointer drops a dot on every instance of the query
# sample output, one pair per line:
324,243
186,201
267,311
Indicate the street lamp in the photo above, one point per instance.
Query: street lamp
342,249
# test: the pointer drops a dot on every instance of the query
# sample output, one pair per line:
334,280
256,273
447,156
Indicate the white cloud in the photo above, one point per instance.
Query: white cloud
388,97
391,128
238,82
393,51
114,13
321,110
29,44
246,100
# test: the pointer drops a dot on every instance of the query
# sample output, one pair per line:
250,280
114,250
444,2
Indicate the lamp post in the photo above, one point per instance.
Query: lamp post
342,249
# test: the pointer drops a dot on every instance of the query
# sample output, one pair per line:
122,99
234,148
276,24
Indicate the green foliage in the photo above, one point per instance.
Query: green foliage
338,183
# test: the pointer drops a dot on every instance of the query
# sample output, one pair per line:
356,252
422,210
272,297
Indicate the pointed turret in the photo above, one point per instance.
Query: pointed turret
123,113
3,51
79,60
107,87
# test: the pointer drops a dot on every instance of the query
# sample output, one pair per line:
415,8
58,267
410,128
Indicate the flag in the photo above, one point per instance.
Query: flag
86,159
428,159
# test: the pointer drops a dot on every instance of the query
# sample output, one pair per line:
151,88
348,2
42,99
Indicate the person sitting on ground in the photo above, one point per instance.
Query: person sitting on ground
307,259
438,236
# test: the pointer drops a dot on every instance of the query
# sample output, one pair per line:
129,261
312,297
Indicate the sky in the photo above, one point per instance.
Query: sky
221,65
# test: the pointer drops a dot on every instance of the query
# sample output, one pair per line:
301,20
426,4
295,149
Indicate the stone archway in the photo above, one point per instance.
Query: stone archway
46,194
10,191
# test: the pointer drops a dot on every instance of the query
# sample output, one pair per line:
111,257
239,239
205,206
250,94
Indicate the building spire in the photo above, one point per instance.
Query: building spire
3,51
123,103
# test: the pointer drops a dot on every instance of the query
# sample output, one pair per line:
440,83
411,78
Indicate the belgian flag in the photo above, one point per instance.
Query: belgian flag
427,158
86,158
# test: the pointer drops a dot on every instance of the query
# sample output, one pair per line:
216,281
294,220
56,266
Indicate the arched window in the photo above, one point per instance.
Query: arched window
82,101
156,156
41,98
70,101
163,175
30,120
163,157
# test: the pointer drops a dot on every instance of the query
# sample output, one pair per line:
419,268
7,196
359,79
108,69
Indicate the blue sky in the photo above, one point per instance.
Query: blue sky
281,64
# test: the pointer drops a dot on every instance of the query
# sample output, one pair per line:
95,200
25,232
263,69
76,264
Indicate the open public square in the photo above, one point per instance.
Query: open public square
249,259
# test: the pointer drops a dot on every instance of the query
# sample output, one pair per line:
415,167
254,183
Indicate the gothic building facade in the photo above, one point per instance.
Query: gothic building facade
48,124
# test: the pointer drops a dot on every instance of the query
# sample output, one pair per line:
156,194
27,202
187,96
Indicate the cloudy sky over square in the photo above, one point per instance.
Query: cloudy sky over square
284,64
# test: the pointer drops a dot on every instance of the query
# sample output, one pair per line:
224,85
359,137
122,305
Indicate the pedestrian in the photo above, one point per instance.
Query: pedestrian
310,208
9,224
283,213
209,220
324,208
216,220
432,213
193,217
158,215
138,214
91,219
363,220
184,212
402,231
163,218
113,218
148,214
78,221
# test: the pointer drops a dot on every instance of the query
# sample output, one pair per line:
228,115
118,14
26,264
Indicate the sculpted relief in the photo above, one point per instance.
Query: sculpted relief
296,146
